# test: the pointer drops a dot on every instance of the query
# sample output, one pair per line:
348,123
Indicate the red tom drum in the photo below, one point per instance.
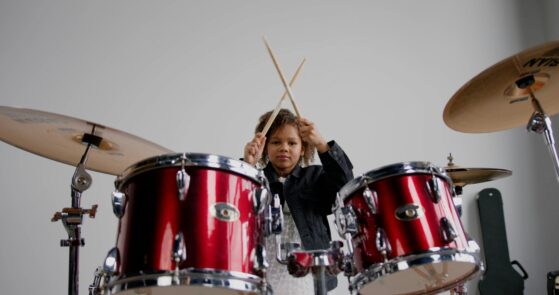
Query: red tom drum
410,239
190,224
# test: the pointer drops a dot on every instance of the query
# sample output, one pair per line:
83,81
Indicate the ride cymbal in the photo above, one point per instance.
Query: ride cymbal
499,97
62,138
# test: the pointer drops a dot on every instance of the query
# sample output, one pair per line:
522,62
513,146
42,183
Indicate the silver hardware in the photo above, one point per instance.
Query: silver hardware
99,280
260,261
273,218
119,202
371,198
434,189
225,212
112,261
81,180
346,224
369,278
277,216
447,230
382,243
190,281
183,181
284,249
179,249
261,196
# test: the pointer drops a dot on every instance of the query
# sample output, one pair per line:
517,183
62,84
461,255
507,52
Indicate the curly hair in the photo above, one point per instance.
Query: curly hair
284,117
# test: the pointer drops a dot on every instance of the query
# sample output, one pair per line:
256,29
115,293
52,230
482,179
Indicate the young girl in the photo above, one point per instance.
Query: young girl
307,192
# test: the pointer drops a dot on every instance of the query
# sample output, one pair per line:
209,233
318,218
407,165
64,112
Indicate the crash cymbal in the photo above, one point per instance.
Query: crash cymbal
499,97
61,138
464,176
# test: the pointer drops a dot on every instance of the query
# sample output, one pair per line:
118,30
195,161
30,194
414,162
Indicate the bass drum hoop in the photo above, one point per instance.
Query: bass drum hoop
397,169
190,160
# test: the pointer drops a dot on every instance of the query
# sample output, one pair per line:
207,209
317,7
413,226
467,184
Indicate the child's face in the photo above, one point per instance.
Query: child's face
285,148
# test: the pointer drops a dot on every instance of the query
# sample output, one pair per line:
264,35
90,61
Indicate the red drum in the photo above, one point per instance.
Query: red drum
409,237
189,224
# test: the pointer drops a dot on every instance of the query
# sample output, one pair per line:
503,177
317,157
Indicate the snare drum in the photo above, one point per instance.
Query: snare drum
190,224
410,239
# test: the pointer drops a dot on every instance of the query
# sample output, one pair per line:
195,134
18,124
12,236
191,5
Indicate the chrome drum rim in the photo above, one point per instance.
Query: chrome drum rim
208,278
379,271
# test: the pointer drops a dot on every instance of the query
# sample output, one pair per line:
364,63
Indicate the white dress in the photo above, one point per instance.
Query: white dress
277,275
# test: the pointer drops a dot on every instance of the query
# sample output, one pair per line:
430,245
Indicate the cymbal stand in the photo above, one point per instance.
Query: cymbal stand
541,123
72,217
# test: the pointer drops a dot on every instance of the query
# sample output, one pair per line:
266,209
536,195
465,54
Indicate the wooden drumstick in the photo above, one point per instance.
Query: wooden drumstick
278,107
282,77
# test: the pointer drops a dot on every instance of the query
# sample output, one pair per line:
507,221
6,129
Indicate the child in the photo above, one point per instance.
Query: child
307,192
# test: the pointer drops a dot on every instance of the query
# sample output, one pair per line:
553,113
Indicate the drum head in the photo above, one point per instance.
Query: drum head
419,274
403,168
190,160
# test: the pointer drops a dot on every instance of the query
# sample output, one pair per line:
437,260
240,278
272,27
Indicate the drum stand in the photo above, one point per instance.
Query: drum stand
72,217
317,262
540,122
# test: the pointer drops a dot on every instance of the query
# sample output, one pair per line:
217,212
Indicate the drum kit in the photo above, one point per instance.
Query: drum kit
192,223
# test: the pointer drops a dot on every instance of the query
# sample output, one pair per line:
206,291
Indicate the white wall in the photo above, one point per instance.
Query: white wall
195,77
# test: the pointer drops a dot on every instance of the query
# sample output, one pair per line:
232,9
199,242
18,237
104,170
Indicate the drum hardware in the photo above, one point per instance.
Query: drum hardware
118,201
182,183
518,90
433,185
72,217
318,262
346,224
103,273
447,231
261,197
179,252
382,244
274,218
371,198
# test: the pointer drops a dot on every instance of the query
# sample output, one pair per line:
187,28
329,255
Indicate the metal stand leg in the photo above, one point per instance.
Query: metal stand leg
540,123
72,217
319,279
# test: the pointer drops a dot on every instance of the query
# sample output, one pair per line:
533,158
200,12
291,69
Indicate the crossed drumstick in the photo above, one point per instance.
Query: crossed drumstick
287,86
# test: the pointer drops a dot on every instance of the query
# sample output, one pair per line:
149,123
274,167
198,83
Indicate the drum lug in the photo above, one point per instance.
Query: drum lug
371,198
103,273
260,262
382,243
434,188
112,261
179,250
183,180
119,202
99,281
274,218
261,196
345,218
447,231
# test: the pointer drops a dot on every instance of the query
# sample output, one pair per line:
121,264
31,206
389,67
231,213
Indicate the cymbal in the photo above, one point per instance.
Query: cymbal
499,97
463,176
61,138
